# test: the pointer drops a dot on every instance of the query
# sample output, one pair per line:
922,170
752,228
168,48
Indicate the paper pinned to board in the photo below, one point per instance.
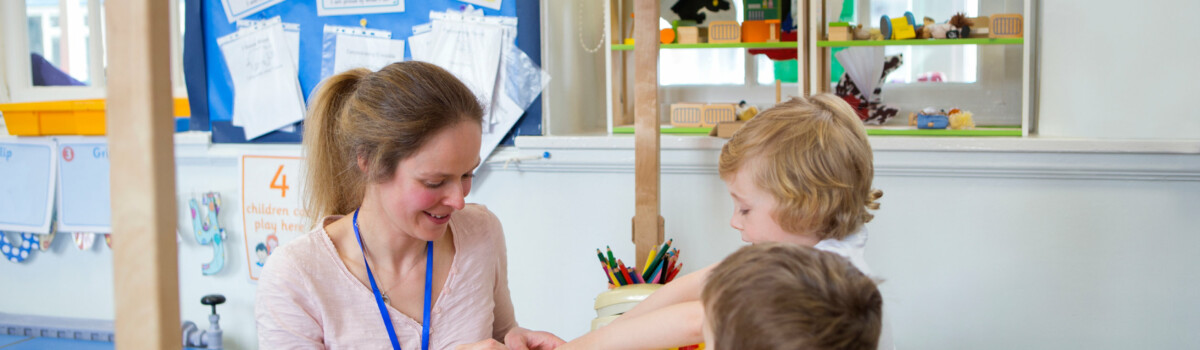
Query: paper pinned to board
266,90
517,80
492,4
239,9
345,48
291,32
468,47
29,168
83,190
357,7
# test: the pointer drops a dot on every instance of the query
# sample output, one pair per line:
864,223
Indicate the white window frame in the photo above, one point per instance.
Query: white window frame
16,83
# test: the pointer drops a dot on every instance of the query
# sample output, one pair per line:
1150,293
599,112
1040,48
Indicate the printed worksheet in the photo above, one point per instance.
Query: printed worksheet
266,91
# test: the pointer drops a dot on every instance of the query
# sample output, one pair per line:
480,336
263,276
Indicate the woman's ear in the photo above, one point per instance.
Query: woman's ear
362,164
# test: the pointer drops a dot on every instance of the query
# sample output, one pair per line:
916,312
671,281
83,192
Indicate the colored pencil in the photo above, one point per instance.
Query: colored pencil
601,256
658,259
674,273
607,274
612,262
659,272
624,272
621,281
649,258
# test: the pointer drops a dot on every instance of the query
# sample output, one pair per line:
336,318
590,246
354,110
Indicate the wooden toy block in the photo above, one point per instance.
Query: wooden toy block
774,26
901,29
839,32
718,113
724,32
688,35
687,115
980,27
1009,25
757,32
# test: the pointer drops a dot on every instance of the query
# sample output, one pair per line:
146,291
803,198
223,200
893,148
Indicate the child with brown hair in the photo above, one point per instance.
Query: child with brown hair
786,296
798,173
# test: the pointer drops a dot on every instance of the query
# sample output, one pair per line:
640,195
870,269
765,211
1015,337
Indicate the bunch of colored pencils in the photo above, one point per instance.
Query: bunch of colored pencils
660,267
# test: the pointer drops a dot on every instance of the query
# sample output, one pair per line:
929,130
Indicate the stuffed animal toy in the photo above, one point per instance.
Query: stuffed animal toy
690,9
960,21
961,120
868,105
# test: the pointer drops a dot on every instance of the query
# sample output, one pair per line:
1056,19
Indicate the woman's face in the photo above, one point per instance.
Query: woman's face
429,186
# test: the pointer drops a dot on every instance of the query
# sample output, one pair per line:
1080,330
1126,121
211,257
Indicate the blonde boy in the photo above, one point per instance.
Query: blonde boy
798,173
786,296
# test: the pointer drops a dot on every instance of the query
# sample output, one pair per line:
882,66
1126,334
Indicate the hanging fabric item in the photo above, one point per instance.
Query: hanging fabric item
84,240
19,252
108,240
208,230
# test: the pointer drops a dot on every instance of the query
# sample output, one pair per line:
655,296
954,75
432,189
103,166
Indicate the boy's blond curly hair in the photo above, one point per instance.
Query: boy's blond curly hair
813,156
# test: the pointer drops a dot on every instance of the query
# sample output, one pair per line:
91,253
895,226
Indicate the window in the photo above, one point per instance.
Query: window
59,52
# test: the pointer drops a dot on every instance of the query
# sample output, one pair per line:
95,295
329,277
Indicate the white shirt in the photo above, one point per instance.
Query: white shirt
854,248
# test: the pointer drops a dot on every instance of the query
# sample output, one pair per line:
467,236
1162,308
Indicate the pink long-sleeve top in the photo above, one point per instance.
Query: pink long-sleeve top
308,299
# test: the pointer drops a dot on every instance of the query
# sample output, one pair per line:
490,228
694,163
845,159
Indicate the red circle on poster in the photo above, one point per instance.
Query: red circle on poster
68,153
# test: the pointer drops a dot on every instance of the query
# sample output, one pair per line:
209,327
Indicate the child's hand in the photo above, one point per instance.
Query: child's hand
523,339
490,344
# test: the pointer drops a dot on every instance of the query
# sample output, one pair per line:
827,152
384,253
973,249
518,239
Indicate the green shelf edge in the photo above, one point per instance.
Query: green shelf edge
946,132
778,45
922,42
981,132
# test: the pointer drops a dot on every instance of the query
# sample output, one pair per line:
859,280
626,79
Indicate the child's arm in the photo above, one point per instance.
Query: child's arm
667,327
684,289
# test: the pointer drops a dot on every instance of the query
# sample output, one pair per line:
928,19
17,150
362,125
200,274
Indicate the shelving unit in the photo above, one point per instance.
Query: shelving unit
776,45
819,61
922,42
617,64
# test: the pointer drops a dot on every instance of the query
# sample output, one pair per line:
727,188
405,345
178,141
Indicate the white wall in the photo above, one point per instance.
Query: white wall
1114,69
979,249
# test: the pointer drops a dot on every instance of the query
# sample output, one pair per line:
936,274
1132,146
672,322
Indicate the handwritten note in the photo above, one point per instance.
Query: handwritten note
83,188
357,7
28,169
272,213
238,9
359,48
266,91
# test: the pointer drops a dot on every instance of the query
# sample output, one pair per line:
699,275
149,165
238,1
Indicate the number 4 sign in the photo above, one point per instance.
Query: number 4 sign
272,213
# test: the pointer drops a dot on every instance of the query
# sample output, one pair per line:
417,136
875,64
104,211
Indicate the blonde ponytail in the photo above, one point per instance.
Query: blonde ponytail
332,184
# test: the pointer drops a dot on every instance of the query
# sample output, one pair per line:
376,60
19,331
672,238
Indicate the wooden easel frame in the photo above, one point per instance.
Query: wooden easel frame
142,158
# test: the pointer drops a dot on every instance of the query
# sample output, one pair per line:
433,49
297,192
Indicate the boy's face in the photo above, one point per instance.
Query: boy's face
752,208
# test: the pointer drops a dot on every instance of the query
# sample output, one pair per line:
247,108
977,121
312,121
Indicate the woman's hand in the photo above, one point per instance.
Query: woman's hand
523,339
490,344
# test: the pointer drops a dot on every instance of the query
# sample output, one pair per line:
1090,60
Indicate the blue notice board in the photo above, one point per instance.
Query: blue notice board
28,169
215,90
83,188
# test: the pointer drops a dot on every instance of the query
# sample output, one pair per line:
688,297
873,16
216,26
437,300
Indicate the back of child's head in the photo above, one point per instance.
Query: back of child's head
787,296
813,156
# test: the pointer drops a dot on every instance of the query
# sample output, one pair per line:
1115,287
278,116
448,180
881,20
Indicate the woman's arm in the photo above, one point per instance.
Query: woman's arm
281,313
667,327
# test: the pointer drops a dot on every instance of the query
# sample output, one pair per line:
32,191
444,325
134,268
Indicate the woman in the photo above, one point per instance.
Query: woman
396,257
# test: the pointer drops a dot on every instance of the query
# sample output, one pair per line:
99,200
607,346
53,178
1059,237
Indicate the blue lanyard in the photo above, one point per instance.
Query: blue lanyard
387,319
